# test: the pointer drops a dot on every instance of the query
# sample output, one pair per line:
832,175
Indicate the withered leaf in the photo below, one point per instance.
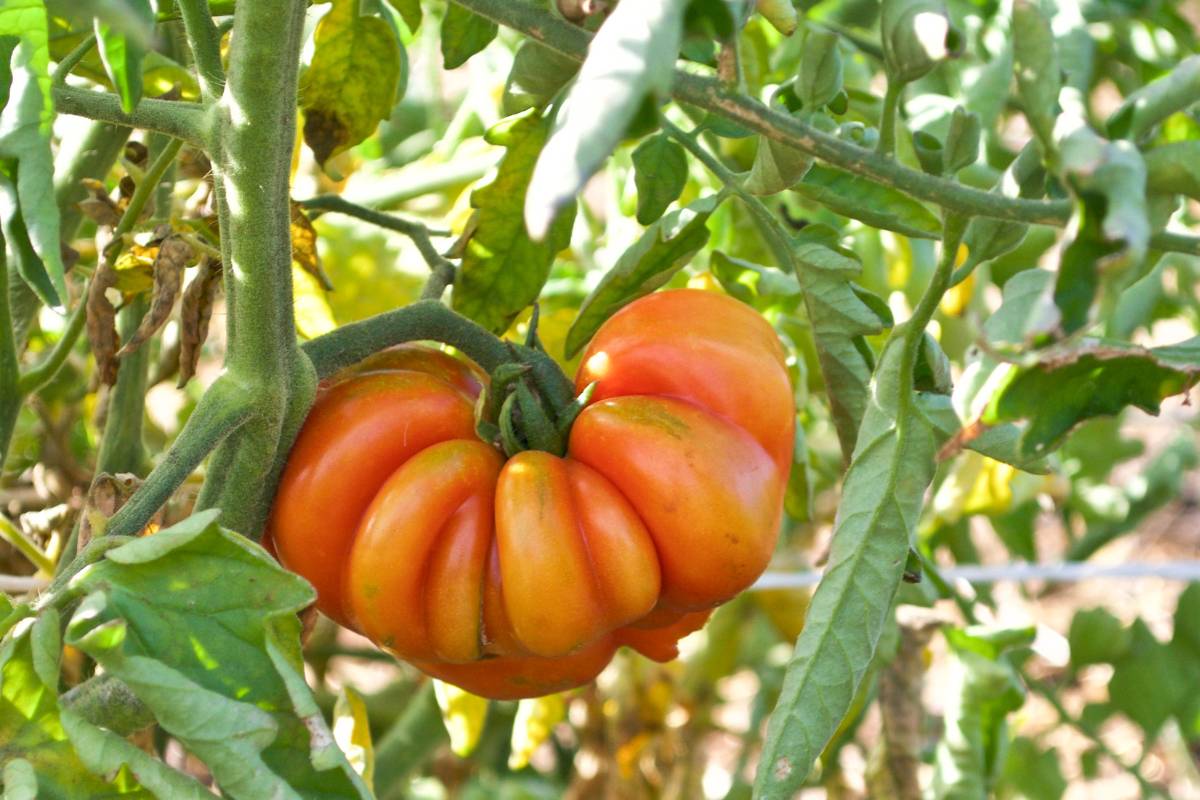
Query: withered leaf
194,314
102,322
304,247
105,497
98,206
173,255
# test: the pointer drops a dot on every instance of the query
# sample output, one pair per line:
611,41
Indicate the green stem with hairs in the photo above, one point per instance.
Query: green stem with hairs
205,42
443,271
887,122
251,157
173,117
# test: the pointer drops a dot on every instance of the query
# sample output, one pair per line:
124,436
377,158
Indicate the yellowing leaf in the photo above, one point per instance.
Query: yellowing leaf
135,268
304,247
313,315
535,722
463,715
351,84
352,732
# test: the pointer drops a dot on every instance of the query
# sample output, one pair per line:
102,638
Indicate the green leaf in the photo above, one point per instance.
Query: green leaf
1034,773
631,56
201,625
754,285
37,758
776,167
819,78
105,753
1025,313
27,203
464,33
841,314
122,54
881,502
983,689
1159,484
503,269
661,251
1035,61
660,170
1109,179
410,12
1095,379
537,75
864,200
1174,167
1152,681
1096,637
358,69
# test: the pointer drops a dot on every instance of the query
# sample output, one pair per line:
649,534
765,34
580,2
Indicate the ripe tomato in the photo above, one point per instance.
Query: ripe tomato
520,577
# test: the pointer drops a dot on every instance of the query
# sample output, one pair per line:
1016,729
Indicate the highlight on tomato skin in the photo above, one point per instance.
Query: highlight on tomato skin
522,576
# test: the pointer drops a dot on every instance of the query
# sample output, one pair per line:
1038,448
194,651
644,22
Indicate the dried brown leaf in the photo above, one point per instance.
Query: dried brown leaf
194,315
173,255
102,322
105,497
304,247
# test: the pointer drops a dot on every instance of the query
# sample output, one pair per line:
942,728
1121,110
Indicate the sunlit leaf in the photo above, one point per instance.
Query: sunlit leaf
632,55
463,714
1098,378
660,170
882,496
122,53
661,251
503,269
357,70
464,33
535,722
201,625
861,198
27,206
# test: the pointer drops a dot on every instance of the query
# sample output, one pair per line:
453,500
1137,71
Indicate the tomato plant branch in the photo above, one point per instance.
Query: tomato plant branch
71,60
425,320
205,43
251,153
712,96
223,409
772,229
441,267
173,117
887,121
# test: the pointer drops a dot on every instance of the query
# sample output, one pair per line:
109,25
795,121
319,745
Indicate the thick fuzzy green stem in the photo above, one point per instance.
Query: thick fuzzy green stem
223,409
251,155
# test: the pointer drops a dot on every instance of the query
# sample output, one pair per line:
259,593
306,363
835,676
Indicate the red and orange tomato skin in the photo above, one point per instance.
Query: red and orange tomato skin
520,577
